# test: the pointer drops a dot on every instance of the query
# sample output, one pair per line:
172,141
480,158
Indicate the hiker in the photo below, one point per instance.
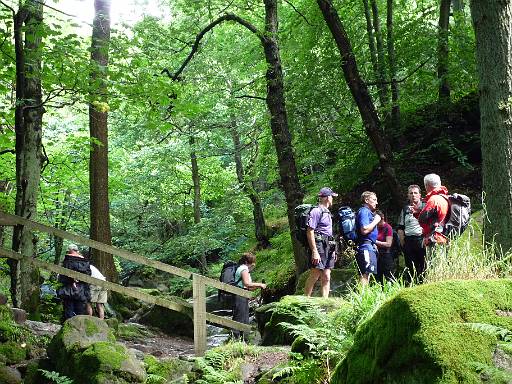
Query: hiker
411,234
243,280
322,247
98,295
366,228
385,261
432,216
74,293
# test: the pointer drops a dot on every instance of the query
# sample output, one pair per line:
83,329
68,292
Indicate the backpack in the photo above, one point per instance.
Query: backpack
301,214
347,223
227,276
458,215
396,247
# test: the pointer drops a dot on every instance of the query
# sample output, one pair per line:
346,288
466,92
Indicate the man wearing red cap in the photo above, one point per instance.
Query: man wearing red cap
321,244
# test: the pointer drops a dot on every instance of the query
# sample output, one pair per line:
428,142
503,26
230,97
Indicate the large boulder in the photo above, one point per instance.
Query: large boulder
171,322
9,375
85,350
293,310
446,332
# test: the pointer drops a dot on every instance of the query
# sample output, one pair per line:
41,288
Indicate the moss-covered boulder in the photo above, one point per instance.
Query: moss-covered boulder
167,370
85,350
169,321
294,310
12,352
436,333
9,375
341,281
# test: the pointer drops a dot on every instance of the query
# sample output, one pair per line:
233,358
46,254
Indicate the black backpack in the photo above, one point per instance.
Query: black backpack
396,247
458,216
301,215
227,276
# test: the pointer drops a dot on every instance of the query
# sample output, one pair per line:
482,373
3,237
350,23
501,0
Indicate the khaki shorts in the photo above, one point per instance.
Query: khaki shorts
98,295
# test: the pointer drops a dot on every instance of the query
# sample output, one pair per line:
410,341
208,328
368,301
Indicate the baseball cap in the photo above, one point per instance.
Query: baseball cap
326,191
73,247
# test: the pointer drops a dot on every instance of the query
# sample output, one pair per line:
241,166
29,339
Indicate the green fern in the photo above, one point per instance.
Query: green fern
55,377
501,333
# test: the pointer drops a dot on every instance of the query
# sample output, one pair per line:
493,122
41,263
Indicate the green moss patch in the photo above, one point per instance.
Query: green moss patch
166,370
425,335
12,352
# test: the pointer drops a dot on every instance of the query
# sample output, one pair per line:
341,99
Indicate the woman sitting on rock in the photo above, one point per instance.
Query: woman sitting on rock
243,280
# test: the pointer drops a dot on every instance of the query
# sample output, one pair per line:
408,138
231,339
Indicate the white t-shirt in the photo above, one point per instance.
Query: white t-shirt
95,272
238,275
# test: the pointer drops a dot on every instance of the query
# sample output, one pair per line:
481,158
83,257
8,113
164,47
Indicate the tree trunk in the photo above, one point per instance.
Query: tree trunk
395,106
443,51
60,223
279,125
362,98
492,20
371,39
195,180
98,126
29,164
260,227
381,74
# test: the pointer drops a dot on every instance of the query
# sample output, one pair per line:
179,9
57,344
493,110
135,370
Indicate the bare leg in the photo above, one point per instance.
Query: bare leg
314,275
364,279
326,282
89,309
101,310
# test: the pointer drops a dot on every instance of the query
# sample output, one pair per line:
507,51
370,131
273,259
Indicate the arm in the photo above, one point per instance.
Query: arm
368,228
310,234
385,244
401,236
246,279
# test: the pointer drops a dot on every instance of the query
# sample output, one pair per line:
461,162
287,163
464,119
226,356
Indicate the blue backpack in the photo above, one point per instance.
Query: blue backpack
347,218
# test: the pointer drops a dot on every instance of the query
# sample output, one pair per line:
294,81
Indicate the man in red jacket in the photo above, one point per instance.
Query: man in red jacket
433,215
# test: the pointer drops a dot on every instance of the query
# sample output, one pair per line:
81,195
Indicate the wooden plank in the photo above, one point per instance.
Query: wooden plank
10,254
7,221
228,323
228,288
97,245
199,294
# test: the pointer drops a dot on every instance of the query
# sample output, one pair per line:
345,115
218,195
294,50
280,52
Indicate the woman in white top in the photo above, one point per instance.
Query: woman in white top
243,280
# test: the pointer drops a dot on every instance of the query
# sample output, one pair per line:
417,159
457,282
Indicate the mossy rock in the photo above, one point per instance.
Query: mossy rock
9,375
12,352
131,331
169,321
425,335
168,370
294,310
341,281
77,334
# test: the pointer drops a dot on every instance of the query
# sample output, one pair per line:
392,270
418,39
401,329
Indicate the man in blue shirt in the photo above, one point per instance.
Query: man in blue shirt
366,227
321,244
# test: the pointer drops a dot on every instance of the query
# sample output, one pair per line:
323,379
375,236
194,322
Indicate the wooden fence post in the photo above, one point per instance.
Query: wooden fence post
199,294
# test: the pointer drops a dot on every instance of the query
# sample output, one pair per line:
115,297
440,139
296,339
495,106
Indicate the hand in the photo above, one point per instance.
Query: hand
315,258
377,217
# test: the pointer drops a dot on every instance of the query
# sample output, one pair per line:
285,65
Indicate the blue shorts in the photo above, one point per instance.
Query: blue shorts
366,261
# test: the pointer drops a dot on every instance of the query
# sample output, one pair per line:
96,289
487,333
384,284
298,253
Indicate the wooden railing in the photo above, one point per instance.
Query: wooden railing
199,282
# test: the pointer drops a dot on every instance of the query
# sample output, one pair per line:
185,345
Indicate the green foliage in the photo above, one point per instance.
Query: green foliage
56,377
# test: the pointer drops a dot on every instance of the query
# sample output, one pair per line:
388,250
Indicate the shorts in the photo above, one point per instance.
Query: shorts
327,255
366,261
98,295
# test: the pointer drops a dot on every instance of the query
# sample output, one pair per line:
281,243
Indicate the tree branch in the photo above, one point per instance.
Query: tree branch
251,97
298,12
9,7
7,151
422,64
195,46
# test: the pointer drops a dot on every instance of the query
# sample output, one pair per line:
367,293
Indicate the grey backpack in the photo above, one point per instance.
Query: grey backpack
458,215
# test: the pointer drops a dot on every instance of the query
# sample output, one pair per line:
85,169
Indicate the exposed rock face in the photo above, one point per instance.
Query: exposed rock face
445,332
85,350
169,321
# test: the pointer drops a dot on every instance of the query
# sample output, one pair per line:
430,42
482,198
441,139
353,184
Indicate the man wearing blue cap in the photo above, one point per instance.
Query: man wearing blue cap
321,244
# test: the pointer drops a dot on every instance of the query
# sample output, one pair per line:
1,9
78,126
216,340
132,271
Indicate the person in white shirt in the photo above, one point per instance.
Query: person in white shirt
98,295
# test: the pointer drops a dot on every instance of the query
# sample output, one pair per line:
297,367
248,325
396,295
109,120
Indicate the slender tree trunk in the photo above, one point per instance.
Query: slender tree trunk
19,127
27,284
443,52
362,98
371,39
98,126
260,226
195,180
61,223
492,20
280,130
395,106
381,64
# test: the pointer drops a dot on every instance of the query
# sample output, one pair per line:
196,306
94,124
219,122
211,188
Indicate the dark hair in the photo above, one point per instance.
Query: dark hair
381,214
247,258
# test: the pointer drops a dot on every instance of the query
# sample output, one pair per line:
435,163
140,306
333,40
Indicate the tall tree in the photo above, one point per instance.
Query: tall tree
364,102
195,179
98,126
29,156
278,116
492,20
443,51
395,106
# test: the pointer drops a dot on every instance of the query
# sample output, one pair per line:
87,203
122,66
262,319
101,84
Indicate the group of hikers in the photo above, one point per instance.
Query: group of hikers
420,227
78,297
